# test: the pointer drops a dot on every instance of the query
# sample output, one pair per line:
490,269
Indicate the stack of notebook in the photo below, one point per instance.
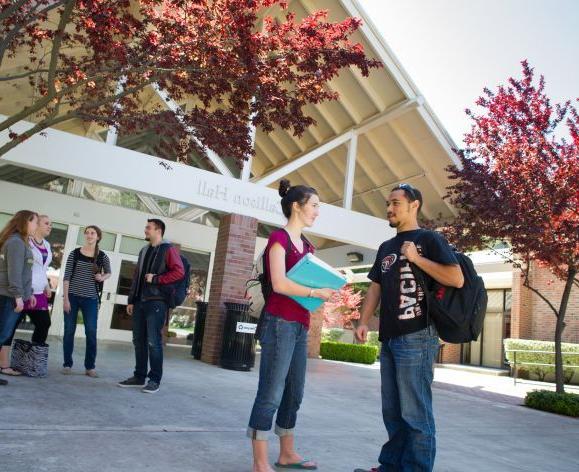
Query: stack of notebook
315,273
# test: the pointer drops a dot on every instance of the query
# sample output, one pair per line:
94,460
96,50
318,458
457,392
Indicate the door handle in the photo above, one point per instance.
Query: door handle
108,296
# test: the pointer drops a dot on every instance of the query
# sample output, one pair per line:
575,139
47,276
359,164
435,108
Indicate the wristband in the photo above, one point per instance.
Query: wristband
311,292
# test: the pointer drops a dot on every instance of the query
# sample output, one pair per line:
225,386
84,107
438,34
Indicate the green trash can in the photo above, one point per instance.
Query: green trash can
238,349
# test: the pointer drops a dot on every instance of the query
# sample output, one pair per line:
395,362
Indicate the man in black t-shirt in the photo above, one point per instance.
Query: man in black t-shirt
409,340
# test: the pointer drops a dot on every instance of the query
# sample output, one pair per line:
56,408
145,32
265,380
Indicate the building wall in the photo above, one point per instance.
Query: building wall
532,318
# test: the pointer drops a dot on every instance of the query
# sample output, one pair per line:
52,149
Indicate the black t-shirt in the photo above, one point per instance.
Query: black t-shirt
402,303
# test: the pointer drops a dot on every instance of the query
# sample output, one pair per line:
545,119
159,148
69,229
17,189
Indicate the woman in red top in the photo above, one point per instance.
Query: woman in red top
284,334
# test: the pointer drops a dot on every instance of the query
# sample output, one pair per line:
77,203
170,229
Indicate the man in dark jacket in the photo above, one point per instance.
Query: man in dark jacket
159,266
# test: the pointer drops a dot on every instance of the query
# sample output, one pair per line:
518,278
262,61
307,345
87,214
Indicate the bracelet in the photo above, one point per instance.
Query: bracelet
311,292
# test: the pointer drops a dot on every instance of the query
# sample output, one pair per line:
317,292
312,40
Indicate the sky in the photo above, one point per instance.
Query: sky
453,48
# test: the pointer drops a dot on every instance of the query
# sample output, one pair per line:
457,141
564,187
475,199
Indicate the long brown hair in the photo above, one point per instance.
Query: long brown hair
17,224
99,233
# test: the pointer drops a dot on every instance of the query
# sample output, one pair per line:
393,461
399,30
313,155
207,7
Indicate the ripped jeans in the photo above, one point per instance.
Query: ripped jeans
148,322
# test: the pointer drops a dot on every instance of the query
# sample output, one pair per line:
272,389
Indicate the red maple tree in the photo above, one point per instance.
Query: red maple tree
519,182
343,308
90,60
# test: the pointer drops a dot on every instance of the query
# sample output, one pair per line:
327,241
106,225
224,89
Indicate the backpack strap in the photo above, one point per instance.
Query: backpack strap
75,256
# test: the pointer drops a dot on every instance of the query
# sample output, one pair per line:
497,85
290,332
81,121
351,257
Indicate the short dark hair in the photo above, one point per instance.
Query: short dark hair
412,193
158,224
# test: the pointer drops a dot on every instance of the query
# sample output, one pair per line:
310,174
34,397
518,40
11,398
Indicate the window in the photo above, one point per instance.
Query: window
131,245
107,242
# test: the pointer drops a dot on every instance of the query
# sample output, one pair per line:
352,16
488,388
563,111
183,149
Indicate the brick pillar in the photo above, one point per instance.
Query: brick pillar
521,308
450,353
315,334
232,266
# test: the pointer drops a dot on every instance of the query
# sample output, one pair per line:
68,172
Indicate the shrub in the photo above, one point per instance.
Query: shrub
332,335
360,353
542,371
373,341
562,403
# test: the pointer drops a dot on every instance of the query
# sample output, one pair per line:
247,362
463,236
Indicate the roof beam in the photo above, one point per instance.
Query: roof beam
176,109
421,161
350,172
113,132
151,204
304,159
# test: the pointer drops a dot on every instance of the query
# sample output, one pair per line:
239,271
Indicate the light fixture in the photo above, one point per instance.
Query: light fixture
354,257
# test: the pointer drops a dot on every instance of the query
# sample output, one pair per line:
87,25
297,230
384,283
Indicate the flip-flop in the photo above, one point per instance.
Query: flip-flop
13,373
297,466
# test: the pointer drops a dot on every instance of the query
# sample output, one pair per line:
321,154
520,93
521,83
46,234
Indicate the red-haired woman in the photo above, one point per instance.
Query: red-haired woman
15,271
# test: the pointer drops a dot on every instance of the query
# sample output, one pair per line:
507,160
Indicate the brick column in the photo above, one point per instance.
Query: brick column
315,334
521,308
232,266
450,353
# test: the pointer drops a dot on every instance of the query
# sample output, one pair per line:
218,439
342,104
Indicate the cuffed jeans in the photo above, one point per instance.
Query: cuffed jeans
89,308
407,370
8,318
282,375
148,322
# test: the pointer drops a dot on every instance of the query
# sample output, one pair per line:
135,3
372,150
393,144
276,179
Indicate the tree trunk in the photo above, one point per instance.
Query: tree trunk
560,326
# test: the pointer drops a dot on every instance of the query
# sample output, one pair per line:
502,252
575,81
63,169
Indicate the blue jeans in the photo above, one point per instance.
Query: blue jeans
148,322
407,371
89,308
282,375
8,318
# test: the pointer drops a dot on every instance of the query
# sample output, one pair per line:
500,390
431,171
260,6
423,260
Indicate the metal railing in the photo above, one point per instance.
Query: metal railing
513,364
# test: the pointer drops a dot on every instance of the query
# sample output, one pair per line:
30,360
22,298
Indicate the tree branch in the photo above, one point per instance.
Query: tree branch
56,43
540,295
31,16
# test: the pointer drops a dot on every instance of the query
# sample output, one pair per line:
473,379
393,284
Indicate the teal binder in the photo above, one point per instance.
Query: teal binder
314,273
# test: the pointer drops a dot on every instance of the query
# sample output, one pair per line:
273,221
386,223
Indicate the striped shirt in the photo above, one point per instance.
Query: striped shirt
82,283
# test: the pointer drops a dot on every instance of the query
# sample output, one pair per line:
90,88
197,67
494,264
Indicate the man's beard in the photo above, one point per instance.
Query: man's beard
147,238
394,224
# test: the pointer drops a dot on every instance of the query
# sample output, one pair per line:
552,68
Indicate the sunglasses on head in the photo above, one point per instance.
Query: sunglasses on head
410,189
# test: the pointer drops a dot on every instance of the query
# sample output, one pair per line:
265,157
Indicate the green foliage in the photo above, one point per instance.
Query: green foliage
562,403
332,335
359,353
526,361
373,341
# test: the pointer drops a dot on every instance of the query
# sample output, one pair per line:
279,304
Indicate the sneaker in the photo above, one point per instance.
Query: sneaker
3,382
91,373
132,382
151,387
66,371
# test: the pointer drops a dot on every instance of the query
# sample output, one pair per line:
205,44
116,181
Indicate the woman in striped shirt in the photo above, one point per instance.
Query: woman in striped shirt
86,270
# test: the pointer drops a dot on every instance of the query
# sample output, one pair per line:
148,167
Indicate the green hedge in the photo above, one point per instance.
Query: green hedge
541,371
359,353
562,403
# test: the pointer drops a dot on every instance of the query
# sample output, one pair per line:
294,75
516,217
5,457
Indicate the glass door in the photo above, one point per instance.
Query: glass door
115,324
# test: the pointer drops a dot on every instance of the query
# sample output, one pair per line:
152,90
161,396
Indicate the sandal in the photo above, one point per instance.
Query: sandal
297,466
9,371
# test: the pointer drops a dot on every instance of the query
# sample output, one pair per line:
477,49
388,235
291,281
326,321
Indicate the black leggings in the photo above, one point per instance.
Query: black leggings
41,321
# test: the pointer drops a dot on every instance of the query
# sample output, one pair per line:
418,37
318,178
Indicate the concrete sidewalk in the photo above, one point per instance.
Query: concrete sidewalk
197,421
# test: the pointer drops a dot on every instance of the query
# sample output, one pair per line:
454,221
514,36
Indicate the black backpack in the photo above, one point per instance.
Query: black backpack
258,288
100,262
182,285
458,313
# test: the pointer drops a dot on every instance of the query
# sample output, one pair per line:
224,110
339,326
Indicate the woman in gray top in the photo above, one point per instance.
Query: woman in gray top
16,261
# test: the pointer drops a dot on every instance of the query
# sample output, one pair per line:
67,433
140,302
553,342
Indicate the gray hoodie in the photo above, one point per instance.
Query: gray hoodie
16,261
